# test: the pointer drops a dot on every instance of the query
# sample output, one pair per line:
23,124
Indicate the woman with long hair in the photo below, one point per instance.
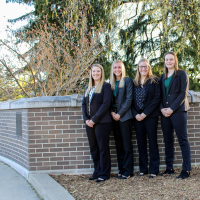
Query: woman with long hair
122,118
145,108
174,107
98,120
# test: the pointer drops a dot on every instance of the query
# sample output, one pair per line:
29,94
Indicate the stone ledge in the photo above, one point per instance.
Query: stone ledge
74,100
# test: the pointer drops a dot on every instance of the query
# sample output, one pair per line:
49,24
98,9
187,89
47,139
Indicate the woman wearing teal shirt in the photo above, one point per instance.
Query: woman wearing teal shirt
174,106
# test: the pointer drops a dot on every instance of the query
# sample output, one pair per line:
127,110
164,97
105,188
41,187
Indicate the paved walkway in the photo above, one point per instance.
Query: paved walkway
13,186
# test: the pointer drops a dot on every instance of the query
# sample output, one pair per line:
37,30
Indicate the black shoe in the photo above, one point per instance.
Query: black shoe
118,175
100,180
168,172
125,177
91,179
183,175
152,176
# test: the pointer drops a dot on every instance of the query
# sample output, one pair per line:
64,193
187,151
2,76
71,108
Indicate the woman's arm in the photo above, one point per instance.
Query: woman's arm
84,107
107,95
184,87
129,96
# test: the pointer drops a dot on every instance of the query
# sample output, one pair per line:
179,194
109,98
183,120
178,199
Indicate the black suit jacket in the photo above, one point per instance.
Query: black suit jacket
99,106
178,92
152,99
123,100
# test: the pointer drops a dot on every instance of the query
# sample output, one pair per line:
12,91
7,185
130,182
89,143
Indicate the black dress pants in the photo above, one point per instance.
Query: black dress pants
178,122
98,138
144,128
123,133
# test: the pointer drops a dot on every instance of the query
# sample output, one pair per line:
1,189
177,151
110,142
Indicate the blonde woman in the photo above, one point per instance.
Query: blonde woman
145,107
97,117
122,118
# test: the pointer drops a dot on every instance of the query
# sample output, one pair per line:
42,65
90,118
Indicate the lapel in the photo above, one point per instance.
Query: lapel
171,82
92,97
163,86
134,96
147,88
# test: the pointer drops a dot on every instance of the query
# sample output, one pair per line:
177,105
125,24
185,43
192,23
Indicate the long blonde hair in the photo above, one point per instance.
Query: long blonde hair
113,78
91,80
150,75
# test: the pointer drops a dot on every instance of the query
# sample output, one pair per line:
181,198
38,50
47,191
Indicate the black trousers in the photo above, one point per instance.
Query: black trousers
178,122
123,133
144,128
98,138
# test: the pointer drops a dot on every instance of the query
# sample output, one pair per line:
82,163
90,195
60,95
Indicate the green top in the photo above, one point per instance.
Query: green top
115,91
167,82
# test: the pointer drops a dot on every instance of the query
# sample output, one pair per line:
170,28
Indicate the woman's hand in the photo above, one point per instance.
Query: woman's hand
138,117
115,116
89,123
142,115
167,112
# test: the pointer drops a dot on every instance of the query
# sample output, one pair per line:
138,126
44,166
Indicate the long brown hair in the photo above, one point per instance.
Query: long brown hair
91,81
150,75
175,65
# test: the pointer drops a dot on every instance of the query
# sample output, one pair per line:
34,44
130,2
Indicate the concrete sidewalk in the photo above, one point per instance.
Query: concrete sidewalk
15,187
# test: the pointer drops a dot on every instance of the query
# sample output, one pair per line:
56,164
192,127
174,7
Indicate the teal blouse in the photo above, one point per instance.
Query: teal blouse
115,92
167,82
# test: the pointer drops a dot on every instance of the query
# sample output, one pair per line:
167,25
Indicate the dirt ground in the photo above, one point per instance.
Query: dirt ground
133,188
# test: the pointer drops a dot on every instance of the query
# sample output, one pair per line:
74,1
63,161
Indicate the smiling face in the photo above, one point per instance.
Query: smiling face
96,74
117,70
143,69
169,61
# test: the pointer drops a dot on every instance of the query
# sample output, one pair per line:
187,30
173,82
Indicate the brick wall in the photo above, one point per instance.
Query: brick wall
54,140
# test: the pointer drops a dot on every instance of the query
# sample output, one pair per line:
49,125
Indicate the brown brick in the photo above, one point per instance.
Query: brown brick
55,131
88,162
83,148
56,167
69,122
63,163
193,113
41,132
42,150
70,167
42,141
55,149
47,118
75,117
68,113
31,123
34,155
48,127
62,136
63,154
54,113
81,130
83,157
63,145
69,131
76,153
49,163
32,160
55,122
44,168
31,114
42,159
75,109
69,140
49,154
70,158
32,168
48,109
34,119
55,140
83,140
34,127
75,126
75,144
35,137
41,114
56,158
33,146
49,145
83,166
69,149
42,123
76,135
62,117
76,162
79,113
48,136
62,126
35,164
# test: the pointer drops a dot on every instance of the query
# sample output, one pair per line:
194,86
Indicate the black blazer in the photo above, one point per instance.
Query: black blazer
123,100
99,106
178,92
152,99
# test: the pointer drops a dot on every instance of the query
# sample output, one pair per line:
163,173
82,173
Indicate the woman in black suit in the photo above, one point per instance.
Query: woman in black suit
145,108
96,115
174,107
122,118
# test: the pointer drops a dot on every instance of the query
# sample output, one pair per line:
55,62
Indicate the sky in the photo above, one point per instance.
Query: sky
12,11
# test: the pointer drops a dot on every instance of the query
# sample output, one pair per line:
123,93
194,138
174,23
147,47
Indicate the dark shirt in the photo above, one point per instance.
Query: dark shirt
140,96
